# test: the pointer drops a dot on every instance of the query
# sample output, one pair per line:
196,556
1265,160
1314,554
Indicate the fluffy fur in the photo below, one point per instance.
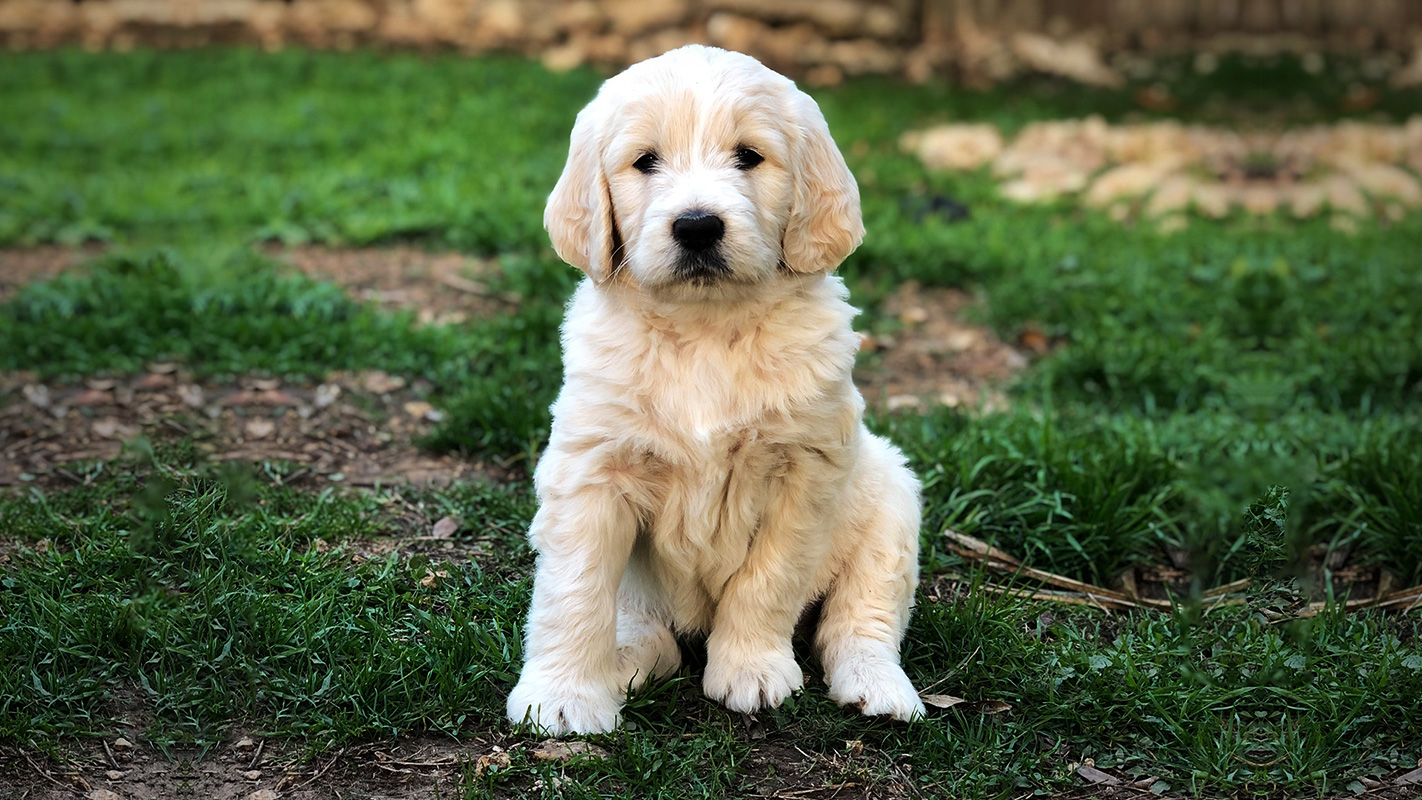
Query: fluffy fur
708,470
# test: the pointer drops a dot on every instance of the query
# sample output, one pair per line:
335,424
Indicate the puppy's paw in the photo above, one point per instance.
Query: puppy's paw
750,680
875,686
651,655
560,706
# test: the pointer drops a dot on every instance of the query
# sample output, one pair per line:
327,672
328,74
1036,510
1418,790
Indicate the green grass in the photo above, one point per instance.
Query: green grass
201,592
1237,392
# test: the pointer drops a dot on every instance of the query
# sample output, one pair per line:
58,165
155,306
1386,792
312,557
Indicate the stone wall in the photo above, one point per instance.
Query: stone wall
821,40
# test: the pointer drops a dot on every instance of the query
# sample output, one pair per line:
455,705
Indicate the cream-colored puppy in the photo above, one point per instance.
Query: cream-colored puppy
708,470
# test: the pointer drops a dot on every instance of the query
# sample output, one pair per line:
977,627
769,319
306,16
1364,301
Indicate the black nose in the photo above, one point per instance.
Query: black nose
698,230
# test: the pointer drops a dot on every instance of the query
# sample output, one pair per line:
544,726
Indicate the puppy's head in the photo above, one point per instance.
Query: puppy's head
702,171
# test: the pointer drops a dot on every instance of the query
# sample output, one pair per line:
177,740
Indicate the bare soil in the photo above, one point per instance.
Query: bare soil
438,287
356,428
936,357
19,267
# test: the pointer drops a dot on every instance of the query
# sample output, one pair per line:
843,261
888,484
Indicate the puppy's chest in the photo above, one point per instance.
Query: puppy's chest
708,505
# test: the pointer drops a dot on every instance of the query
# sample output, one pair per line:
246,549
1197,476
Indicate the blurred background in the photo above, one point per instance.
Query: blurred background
823,41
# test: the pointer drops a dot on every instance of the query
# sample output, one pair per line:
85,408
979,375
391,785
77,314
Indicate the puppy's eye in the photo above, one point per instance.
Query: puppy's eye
647,163
747,158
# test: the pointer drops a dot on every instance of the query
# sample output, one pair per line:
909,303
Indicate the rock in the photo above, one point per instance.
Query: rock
863,56
102,794
735,32
914,315
114,775
262,794
501,22
955,147
633,17
1213,200
1304,200
252,774
1173,194
1071,58
1343,195
824,75
1384,180
789,44
834,17
245,744
881,22
580,15
902,401
658,42
608,49
1128,180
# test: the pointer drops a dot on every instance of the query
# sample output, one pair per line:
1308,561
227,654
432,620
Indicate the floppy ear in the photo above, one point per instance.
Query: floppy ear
579,215
825,224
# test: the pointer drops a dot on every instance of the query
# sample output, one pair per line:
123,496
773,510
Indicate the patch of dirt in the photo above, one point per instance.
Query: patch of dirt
937,357
439,287
416,768
248,767
355,428
19,267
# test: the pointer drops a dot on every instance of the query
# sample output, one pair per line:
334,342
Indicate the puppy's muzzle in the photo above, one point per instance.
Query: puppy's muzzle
698,230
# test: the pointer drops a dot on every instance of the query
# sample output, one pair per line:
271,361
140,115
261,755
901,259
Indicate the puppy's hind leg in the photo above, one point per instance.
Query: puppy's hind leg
646,647
867,607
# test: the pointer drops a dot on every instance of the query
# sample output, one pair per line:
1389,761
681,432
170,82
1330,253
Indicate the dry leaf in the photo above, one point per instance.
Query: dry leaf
914,315
418,409
993,707
245,744
252,774
941,700
445,528
122,745
497,759
37,394
102,794
192,395
554,750
901,401
110,428
326,394
151,381
379,382
1094,775
262,794
259,428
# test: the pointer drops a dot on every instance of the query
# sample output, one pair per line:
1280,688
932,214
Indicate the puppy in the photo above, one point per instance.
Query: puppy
708,470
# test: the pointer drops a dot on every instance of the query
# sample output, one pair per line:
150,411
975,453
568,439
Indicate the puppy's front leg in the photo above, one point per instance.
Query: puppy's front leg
750,661
570,681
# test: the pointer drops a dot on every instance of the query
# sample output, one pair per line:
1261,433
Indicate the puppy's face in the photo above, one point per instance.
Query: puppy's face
700,173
